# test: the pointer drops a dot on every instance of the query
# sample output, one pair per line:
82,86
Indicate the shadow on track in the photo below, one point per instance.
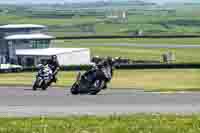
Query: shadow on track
112,92
28,89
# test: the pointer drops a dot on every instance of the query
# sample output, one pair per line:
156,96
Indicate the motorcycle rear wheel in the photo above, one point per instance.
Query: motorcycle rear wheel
96,88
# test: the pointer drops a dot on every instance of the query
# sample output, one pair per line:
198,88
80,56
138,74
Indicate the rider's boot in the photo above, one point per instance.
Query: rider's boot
54,79
105,86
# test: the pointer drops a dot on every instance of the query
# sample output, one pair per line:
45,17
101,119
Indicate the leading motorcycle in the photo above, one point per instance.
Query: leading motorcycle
92,81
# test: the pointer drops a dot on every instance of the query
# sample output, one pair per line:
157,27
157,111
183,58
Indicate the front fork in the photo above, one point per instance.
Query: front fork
78,77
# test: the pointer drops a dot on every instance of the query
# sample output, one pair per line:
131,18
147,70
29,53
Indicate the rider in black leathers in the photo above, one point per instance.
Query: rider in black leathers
108,66
104,70
55,67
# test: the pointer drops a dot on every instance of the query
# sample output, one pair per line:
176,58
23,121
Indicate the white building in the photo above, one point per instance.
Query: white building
19,36
66,56
118,16
28,45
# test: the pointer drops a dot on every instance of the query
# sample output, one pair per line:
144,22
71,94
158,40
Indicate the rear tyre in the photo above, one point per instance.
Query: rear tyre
94,92
96,87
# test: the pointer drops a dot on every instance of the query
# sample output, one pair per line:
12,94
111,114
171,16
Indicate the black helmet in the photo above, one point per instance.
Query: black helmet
54,57
109,60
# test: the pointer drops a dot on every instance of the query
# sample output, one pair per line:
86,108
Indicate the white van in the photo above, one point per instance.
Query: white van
10,68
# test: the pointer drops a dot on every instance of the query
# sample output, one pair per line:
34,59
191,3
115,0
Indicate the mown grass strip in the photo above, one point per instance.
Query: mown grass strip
139,123
169,41
149,80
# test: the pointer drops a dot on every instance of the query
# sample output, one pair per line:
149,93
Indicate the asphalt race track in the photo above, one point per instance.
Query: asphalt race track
23,102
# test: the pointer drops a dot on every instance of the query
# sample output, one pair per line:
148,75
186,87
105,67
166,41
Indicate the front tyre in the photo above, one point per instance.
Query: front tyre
34,88
44,88
45,85
74,90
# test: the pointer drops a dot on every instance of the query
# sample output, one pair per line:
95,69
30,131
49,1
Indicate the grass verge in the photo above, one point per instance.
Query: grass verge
169,41
181,55
149,80
138,123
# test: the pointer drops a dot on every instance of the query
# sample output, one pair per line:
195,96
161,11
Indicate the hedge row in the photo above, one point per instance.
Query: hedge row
64,68
159,66
129,66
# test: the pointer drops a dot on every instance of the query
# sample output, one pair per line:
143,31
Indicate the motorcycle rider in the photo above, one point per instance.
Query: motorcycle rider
55,67
108,70
105,70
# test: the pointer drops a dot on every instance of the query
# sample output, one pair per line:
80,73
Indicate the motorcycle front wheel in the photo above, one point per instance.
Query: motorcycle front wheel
35,85
34,88
74,89
45,84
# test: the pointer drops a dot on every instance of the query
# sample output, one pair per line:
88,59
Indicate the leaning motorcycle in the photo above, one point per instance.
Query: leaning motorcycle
92,81
87,83
43,78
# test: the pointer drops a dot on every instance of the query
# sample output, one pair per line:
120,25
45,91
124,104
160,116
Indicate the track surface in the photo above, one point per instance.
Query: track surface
22,102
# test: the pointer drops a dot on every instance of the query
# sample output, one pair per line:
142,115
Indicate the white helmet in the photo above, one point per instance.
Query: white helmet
40,66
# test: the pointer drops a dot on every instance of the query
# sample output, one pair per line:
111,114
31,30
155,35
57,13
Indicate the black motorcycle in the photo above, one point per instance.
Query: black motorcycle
43,78
92,81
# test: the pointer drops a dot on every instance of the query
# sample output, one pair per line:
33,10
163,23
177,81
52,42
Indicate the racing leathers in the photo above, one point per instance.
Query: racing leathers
54,65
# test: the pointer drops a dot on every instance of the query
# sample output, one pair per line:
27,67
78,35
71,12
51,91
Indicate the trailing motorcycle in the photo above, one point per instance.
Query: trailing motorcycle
43,78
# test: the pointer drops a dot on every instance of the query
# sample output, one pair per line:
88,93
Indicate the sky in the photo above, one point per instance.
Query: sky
56,1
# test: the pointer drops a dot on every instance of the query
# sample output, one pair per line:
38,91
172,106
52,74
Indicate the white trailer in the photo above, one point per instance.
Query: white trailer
66,56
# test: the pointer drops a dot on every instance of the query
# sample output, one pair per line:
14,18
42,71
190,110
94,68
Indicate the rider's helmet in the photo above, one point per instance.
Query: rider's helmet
40,66
100,64
54,58
109,60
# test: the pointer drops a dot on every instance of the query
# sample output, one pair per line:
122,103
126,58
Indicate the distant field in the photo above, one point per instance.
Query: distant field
162,80
64,21
138,123
182,55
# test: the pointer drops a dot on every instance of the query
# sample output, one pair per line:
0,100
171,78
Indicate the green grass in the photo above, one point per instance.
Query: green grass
45,21
150,80
171,41
181,21
182,55
138,123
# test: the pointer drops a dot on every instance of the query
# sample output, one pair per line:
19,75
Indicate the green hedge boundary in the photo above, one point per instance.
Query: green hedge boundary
63,68
127,66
